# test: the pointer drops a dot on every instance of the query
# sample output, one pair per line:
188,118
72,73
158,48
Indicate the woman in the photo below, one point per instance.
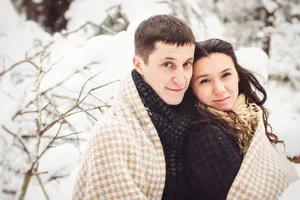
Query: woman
229,152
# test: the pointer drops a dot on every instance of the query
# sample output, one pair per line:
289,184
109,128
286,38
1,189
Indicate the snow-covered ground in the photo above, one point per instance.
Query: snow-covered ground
113,54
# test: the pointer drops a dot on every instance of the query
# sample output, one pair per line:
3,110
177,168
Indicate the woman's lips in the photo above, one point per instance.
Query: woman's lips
221,100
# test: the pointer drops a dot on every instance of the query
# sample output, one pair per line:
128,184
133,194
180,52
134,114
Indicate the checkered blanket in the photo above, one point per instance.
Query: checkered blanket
124,159
265,172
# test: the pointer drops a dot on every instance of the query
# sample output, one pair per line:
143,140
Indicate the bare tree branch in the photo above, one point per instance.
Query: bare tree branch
10,192
85,84
63,137
48,146
50,68
16,64
80,111
38,103
42,186
96,88
52,178
40,52
19,139
65,33
74,99
25,184
87,113
26,60
53,87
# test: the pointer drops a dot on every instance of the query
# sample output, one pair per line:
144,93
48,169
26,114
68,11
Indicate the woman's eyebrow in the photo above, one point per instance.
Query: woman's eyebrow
201,76
227,69
205,75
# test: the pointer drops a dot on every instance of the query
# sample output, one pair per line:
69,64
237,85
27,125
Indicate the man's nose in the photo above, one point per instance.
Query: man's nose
179,78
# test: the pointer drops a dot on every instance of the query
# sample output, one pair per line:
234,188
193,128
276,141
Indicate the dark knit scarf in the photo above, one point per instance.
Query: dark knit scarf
171,124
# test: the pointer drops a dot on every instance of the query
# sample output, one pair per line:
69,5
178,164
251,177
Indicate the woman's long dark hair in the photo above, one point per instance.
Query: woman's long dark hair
248,85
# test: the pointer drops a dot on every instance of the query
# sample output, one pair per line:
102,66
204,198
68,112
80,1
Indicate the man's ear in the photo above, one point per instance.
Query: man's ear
138,64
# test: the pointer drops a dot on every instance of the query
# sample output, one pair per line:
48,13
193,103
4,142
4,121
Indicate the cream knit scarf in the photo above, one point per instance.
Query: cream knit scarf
247,113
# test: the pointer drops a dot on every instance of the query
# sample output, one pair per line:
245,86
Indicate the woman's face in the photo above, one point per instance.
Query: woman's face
215,81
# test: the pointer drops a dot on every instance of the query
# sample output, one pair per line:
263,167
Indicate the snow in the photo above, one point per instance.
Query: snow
271,6
214,27
37,1
284,115
111,57
295,10
7,11
258,66
142,9
61,161
93,11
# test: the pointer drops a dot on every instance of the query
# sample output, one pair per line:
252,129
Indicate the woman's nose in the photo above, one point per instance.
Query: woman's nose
219,87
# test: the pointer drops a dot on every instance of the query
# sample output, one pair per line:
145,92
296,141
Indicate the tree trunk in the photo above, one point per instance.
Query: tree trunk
49,13
269,22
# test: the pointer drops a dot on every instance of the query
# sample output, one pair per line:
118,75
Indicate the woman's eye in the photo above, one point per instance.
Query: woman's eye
204,81
226,74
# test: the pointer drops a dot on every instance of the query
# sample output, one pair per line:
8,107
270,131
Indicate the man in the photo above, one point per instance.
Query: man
136,151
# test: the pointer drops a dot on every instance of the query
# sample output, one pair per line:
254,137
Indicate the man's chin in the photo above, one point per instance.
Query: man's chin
173,101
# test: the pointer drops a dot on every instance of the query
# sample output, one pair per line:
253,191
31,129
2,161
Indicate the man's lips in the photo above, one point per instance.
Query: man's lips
221,100
176,90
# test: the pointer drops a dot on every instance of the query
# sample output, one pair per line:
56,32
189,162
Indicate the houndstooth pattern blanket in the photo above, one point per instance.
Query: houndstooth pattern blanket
124,159
265,172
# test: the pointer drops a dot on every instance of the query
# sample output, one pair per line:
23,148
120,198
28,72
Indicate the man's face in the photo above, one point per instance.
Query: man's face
168,71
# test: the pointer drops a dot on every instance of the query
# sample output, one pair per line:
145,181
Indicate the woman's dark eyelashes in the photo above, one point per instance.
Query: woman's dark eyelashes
226,74
204,81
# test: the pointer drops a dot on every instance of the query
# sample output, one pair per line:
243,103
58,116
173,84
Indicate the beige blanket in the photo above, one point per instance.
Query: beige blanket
265,172
124,159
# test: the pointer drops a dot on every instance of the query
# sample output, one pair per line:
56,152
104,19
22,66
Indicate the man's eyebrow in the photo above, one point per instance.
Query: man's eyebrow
171,58
168,58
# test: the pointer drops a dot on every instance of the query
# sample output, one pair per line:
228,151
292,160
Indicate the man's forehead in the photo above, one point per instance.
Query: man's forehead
172,46
173,51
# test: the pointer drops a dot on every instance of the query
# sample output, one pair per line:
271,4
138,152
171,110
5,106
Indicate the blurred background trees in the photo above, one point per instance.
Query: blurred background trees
269,24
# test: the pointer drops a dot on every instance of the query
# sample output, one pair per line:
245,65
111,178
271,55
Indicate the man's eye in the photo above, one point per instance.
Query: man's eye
188,64
167,65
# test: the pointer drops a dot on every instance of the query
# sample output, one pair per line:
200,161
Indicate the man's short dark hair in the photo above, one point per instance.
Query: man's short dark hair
161,28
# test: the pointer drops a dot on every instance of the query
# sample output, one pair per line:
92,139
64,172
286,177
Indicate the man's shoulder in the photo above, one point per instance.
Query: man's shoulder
108,122
113,126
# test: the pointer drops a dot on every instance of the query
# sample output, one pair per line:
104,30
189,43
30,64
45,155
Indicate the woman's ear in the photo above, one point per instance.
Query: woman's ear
138,64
